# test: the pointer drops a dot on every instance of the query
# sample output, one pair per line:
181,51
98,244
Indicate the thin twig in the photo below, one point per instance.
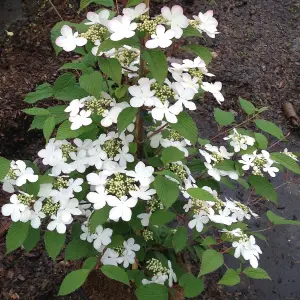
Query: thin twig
274,144
270,227
157,131
117,7
56,10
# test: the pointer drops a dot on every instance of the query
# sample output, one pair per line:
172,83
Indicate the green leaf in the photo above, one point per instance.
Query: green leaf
108,44
261,140
32,239
115,273
247,106
116,241
73,281
224,118
277,220
70,93
201,194
161,217
36,111
112,68
152,291
196,165
126,117
133,2
180,239
191,31
209,240
16,235
90,263
270,128
43,91
85,3
203,52
211,261
92,83
230,278
54,242
77,249
263,187
63,81
49,126
186,127
171,154
65,132
226,165
121,91
75,66
167,190
57,110
98,217
286,161
157,63
257,273
203,142
4,167
192,286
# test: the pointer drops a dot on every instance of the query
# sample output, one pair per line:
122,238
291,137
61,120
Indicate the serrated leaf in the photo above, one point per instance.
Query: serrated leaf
75,66
126,117
277,220
73,281
192,286
70,93
90,263
16,235
54,242
161,217
211,261
108,44
43,91
263,187
115,273
98,217
261,140
191,31
32,238
121,91
49,126
180,239
57,110
209,240
201,194
203,52
116,241
4,167
77,249
226,165
152,291
286,161
36,111
230,278
186,127
167,190
224,118
256,273
64,131
157,63
85,3
203,142
112,68
269,127
247,106
63,81
92,83
171,154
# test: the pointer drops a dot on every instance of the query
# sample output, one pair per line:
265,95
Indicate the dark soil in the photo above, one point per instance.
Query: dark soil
257,58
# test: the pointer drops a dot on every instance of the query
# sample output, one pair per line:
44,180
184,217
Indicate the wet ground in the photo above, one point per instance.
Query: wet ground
258,58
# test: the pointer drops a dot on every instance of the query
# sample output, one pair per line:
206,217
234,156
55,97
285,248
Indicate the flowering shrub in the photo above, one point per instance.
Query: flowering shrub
125,172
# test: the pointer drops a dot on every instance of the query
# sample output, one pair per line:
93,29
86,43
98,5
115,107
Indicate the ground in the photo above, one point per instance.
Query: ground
257,58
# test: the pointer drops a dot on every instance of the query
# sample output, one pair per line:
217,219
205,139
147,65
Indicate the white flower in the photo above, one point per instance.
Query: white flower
69,207
223,217
176,19
183,95
162,38
128,255
103,237
124,156
84,145
240,141
86,235
215,89
51,154
69,40
145,217
95,50
142,173
290,154
121,208
142,94
75,106
82,119
188,206
110,257
126,259
100,18
59,222
197,63
171,273
143,193
36,214
100,197
96,179
121,27
159,278
187,81
136,12
14,209
162,110
208,23
24,173
80,161
111,116
198,221
75,185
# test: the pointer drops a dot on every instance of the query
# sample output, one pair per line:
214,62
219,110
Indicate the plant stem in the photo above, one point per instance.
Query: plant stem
56,10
